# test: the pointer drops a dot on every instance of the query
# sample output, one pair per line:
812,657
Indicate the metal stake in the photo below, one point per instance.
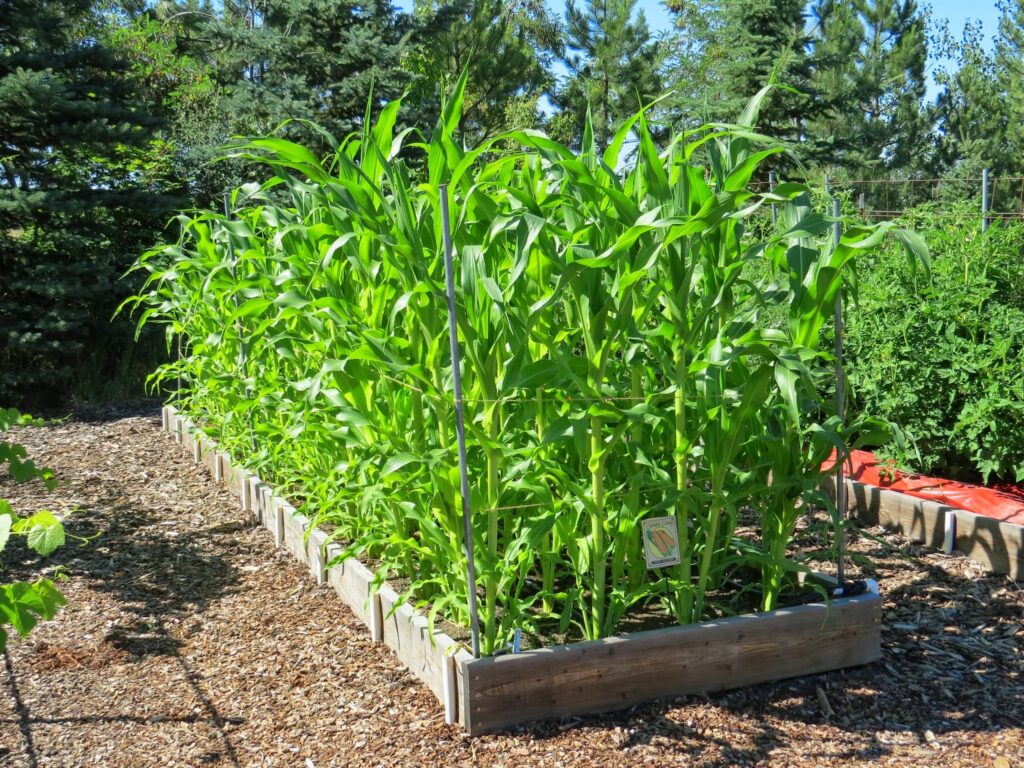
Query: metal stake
984,200
771,188
243,362
460,425
837,232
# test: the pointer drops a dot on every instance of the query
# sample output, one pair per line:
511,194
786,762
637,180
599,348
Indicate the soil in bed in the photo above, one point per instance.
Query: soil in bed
190,640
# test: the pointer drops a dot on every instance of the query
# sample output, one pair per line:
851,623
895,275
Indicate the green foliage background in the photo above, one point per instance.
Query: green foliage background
943,357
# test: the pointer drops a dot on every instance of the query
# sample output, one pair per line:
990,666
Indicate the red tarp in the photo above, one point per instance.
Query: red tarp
865,468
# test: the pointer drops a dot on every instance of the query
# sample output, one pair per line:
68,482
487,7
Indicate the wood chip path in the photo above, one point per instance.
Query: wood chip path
189,640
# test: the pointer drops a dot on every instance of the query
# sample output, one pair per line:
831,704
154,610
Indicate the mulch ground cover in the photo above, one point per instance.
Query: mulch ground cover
190,640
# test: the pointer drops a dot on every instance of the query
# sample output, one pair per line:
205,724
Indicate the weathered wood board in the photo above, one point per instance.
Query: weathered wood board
997,545
351,580
919,520
295,527
316,547
273,514
208,456
231,475
620,671
427,654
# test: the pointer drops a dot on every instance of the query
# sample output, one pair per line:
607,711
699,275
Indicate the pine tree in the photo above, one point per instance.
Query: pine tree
507,48
972,110
869,58
281,60
1009,64
759,42
77,193
614,65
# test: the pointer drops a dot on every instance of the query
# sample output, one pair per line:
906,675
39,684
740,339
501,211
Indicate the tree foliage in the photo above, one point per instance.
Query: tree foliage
869,58
81,186
613,63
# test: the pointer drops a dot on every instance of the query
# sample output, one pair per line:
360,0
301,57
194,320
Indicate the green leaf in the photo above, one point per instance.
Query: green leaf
45,532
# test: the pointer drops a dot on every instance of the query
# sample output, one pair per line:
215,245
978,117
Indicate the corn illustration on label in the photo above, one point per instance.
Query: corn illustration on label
661,541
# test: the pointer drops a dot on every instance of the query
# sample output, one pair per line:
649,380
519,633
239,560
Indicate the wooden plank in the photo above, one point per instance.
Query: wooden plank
351,580
997,545
919,520
230,474
620,671
408,634
255,496
295,527
178,428
316,547
208,455
270,514
459,660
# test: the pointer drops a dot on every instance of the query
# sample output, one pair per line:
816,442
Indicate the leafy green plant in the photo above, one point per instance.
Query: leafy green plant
621,358
24,604
942,357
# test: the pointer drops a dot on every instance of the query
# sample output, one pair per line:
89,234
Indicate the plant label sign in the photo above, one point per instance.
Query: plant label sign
661,542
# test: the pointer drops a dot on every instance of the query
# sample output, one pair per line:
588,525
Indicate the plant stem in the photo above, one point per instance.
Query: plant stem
597,546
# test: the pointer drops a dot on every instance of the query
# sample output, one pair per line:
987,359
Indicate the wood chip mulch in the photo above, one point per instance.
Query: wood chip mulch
189,640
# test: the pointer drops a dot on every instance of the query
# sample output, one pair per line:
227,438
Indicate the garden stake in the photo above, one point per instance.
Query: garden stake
771,187
984,200
243,363
460,426
840,410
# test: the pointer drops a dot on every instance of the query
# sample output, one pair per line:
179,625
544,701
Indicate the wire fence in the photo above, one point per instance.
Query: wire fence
998,198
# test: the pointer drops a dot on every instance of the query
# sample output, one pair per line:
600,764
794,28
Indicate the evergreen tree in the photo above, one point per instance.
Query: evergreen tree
77,194
748,45
869,58
613,64
1009,63
693,61
280,60
972,110
507,48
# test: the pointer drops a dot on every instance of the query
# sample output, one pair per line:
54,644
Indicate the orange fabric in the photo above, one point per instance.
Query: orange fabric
865,467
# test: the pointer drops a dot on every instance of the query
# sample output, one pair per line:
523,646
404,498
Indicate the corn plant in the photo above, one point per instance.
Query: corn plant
621,358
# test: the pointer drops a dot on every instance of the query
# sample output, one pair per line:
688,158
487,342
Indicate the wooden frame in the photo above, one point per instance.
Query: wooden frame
996,545
489,694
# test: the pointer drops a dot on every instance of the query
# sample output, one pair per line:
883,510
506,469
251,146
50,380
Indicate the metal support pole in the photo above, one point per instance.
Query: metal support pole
863,208
771,188
243,358
460,424
984,200
837,233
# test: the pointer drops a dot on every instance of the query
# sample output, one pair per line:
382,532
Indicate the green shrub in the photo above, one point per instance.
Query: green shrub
944,358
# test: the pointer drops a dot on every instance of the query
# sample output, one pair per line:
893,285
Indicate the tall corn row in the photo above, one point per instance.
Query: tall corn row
618,362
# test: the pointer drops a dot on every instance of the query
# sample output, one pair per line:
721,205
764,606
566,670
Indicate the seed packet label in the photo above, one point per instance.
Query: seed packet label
661,542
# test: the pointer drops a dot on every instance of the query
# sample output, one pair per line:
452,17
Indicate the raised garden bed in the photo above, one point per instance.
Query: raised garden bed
997,545
492,693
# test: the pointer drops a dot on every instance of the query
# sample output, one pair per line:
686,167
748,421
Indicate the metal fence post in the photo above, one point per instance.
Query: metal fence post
460,424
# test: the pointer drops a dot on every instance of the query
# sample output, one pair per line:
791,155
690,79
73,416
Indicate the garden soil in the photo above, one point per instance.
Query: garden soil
189,640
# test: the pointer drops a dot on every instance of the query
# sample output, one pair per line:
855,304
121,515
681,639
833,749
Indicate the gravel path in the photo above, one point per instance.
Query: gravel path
189,640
